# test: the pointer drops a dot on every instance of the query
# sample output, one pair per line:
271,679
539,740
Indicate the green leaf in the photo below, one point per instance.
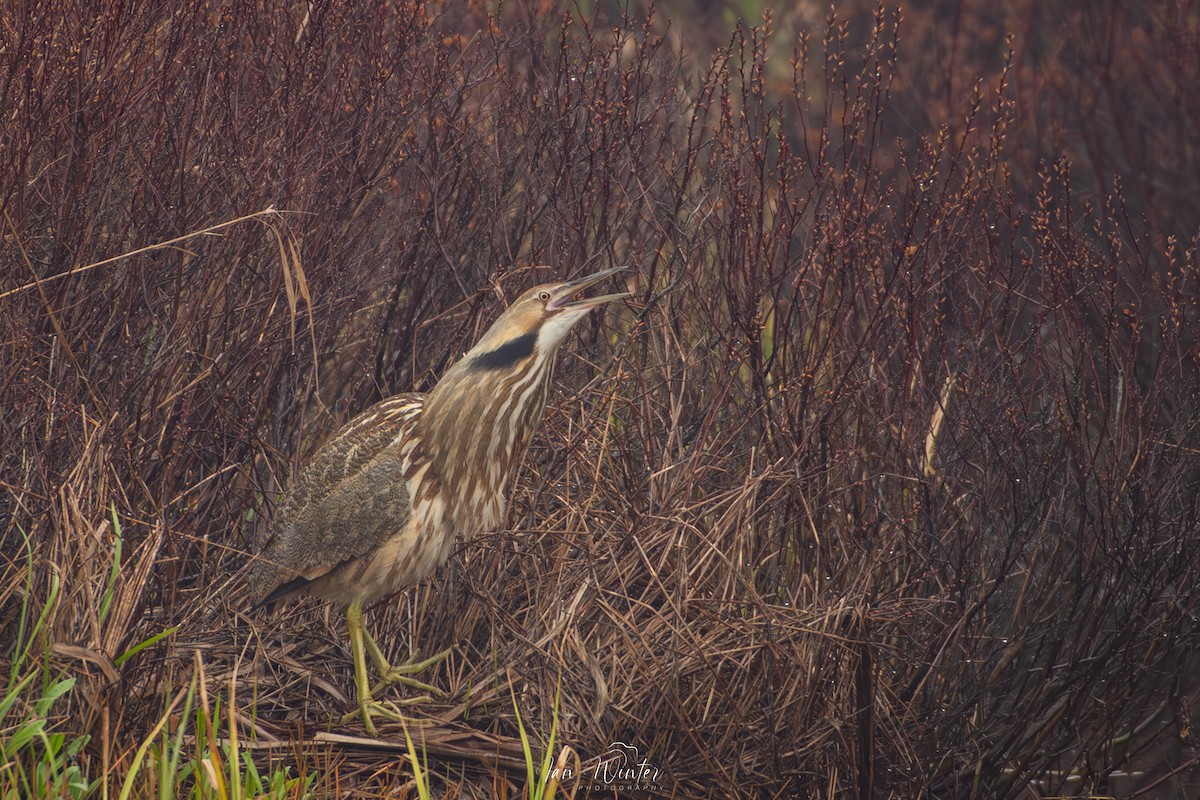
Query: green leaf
56,690
77,744
14,694
25,733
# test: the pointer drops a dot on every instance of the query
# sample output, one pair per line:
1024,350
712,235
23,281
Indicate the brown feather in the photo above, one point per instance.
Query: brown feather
345,502
380,504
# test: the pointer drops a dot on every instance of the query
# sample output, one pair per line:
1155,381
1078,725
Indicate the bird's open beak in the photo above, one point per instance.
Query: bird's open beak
561,301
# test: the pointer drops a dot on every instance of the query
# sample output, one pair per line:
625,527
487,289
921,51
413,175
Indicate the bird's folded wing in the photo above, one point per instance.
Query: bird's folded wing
350,498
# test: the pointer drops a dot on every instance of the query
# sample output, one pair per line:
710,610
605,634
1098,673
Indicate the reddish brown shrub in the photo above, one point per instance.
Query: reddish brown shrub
887,482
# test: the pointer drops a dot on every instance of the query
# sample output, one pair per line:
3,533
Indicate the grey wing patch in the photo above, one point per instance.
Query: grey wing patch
350,498
351,448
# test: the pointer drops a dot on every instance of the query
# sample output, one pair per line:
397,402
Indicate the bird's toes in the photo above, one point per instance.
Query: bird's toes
397,677
369,708
364,710
411,666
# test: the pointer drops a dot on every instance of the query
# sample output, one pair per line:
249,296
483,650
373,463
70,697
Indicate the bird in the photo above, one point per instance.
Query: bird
381,503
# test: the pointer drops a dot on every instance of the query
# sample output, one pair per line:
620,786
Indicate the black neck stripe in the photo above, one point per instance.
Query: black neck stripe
507,354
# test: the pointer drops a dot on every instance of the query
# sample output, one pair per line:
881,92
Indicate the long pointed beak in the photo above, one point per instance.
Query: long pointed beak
561,301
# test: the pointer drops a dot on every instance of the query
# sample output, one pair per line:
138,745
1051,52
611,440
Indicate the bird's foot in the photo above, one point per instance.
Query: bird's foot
362,646
368,707
389,674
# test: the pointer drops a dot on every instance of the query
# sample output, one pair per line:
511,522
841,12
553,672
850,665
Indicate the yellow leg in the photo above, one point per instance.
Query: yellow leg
354,621
389,674
361,644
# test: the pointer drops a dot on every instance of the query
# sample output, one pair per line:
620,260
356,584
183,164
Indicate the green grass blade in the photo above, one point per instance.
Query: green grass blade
167,792
138,757
544,775
115,570
140,646
421,779
529,769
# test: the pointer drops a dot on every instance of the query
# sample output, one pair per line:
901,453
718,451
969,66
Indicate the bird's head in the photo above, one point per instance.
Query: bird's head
537,322
479,418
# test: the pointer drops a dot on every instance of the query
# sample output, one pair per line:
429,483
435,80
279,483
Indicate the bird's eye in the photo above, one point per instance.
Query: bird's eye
543,296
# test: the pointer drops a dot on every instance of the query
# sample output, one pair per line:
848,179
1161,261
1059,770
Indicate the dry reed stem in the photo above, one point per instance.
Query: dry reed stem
886,483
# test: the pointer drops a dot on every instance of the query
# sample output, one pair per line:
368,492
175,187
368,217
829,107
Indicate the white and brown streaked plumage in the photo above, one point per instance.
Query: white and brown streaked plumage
380,505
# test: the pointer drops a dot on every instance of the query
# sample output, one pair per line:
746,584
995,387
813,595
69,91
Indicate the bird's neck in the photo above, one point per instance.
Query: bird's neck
475,427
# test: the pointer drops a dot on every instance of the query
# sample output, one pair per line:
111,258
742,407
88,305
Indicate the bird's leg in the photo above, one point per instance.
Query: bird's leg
389,674
367,705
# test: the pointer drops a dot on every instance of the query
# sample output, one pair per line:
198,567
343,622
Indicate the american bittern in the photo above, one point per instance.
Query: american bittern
381,503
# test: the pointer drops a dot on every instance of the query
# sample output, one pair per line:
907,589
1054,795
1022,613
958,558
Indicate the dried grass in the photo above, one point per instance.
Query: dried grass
886,484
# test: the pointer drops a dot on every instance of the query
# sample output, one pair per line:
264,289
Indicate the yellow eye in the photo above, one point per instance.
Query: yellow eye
543,296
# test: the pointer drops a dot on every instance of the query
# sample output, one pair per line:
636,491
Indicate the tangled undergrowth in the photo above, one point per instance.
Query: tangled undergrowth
885,483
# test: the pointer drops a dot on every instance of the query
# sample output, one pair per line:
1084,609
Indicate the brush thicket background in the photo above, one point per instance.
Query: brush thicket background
885,484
